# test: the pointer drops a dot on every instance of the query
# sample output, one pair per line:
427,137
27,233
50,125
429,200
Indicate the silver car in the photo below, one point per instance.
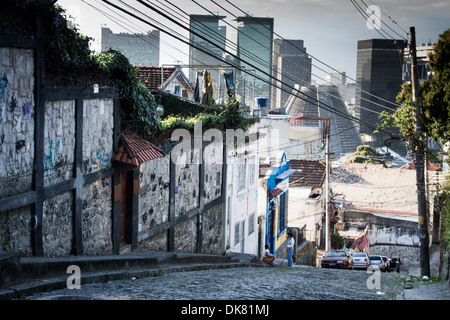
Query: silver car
377,261
361,260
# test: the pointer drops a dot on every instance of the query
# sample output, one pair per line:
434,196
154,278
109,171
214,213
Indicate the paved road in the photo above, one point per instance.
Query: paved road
252,283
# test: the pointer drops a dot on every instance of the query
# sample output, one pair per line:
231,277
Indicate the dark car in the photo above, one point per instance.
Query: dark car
395,264
337,259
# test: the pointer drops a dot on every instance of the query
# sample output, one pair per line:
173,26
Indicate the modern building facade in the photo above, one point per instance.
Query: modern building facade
209,36
379,78
424,71
140,49
291,66
254,40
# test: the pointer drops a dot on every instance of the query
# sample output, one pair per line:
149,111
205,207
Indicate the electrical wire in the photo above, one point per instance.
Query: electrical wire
318,60
294,63
324,106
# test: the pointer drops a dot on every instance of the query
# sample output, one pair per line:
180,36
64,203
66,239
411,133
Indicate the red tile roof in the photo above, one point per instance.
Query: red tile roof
275,192
310,173
412,166
409,213
135,150
151,76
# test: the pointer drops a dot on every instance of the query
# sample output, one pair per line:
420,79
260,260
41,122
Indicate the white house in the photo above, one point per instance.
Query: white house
167,79
241,203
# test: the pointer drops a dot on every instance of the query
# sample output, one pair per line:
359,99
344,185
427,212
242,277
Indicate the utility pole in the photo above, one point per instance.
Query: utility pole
424,255
326,130
327,177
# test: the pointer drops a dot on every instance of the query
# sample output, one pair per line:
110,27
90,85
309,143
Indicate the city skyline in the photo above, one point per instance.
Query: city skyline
330,29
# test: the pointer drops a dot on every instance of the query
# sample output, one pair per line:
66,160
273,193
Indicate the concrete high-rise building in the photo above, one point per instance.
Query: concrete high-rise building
140,49
291,66
336,78
424,71
254,39
379,78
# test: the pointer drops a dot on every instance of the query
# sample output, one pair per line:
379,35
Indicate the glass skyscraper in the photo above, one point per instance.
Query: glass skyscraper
379,78
291,66
208,27
254,40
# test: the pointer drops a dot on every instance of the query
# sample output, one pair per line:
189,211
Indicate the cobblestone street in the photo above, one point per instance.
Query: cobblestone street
251,283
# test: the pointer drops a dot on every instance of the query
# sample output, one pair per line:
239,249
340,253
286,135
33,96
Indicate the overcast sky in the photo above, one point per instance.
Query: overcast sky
330,28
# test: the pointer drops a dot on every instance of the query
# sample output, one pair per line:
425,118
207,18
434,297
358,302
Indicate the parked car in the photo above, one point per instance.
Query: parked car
337,259
386,263
361,260
377,261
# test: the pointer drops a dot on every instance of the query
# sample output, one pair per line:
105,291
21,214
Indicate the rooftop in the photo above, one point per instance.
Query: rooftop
309,173
154,77
135,150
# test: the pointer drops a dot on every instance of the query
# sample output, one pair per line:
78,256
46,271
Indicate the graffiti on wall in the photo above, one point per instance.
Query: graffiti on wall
54,160
101,160
27,109
3,84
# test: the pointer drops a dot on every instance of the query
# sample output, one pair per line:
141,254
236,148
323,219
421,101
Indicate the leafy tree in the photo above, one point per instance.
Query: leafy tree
138,104
436,93
337,241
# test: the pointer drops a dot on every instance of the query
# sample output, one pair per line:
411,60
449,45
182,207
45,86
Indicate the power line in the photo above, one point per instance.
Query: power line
324,106
379,17
318,60
392,20
295,54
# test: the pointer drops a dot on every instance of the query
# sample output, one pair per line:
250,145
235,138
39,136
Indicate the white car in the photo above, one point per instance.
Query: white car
378,261
361,260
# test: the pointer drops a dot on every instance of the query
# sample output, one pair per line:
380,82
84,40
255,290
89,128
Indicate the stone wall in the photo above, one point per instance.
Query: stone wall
213,228
15,231
154,207
98,125
154,193
187,194
16,121
84,190
16,144
97,218
59,141
57,225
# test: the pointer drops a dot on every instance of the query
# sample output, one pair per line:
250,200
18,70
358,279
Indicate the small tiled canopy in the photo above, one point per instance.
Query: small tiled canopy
135,150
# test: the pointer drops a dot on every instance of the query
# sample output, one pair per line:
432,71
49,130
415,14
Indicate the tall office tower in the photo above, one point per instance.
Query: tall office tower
379,78
255,38
140,49
206,26
291,66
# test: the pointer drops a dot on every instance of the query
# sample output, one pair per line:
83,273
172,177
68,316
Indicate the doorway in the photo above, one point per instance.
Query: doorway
124,204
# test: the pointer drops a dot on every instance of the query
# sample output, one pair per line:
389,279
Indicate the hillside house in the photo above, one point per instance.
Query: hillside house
166,79
307,198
